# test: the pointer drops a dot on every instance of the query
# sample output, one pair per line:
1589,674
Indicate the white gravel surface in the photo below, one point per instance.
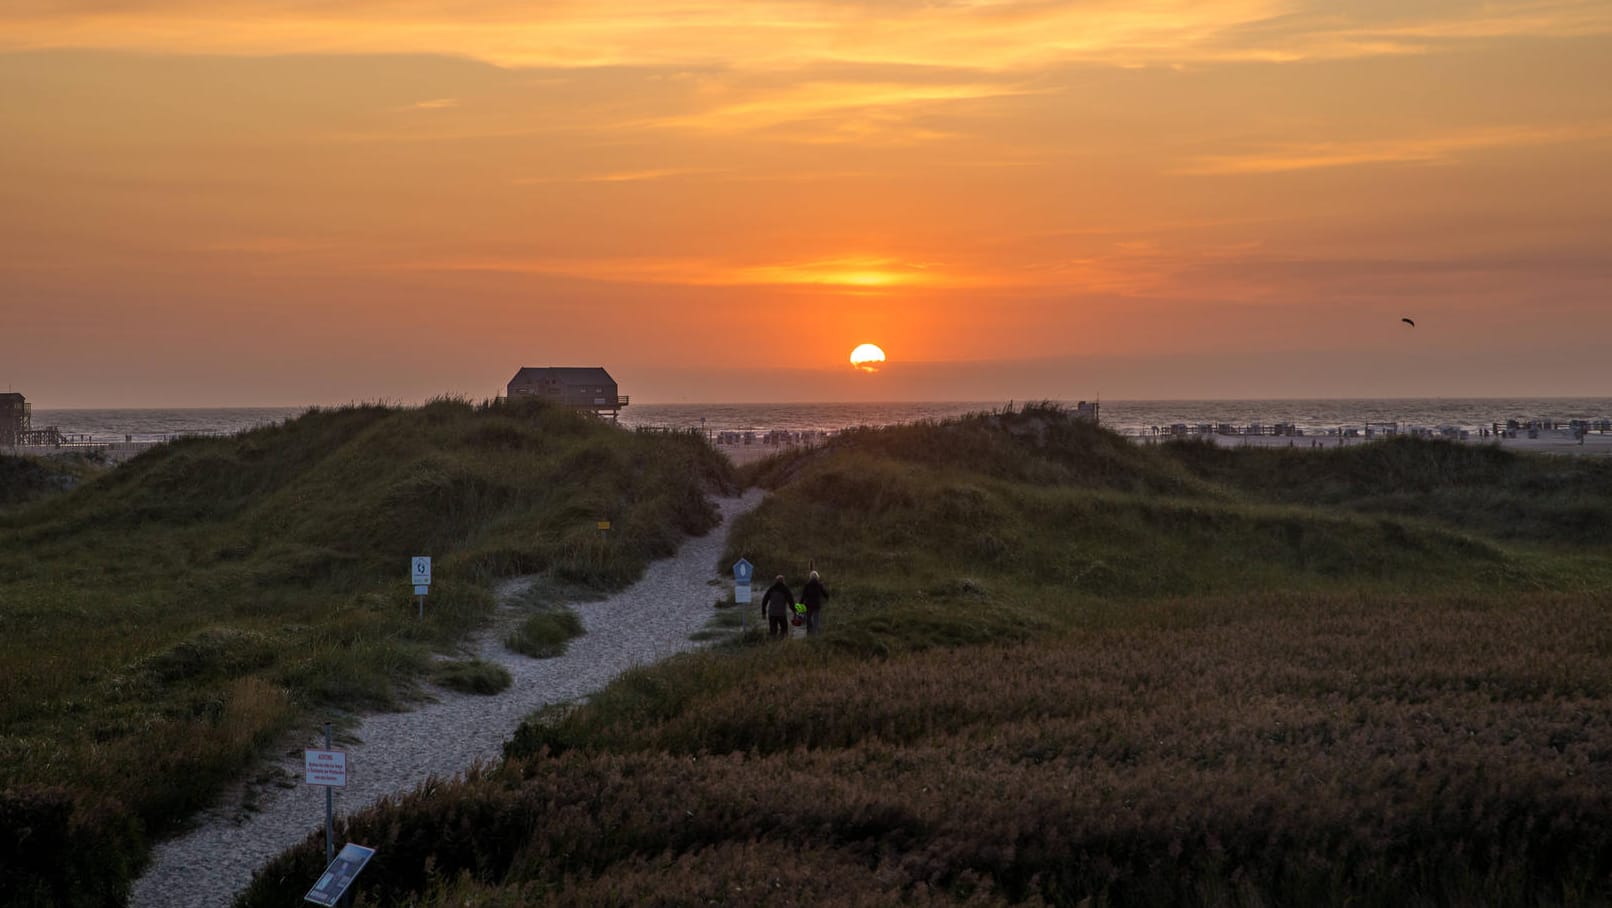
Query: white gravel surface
395,752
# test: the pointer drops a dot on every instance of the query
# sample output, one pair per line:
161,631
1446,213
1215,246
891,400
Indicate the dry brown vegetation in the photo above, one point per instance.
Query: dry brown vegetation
1321,751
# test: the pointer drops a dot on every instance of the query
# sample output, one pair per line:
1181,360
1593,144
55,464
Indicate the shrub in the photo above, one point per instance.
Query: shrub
545,634
56,850
472,676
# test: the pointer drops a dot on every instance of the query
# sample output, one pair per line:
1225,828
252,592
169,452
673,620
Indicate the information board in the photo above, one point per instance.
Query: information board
339,875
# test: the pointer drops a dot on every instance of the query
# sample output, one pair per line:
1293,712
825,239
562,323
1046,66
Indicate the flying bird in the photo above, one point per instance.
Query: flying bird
1408,322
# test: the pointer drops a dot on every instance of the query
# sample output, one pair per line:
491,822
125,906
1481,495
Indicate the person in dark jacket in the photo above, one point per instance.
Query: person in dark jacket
778,603
812,596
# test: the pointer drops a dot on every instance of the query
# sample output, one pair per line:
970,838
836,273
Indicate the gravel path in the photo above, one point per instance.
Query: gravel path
395,752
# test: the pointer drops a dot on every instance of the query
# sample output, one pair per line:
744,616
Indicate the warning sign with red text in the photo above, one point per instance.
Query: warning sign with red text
325,767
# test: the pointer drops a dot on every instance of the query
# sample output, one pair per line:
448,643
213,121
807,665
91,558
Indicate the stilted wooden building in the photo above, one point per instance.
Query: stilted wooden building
589,388
16,418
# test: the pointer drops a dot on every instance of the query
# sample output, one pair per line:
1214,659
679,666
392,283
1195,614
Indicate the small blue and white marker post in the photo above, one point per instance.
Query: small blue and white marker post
421,572
742,572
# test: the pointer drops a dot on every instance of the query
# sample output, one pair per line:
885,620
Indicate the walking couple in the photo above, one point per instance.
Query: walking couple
778,604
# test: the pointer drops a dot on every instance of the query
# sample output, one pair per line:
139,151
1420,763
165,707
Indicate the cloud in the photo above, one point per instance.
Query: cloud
624,176
837,111
1435,149
852,273
789,34
434,104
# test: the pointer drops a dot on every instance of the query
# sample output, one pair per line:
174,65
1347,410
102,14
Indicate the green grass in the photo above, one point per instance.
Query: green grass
472,676
1484,489
1061,670
27,479
165,622
726,623
545,634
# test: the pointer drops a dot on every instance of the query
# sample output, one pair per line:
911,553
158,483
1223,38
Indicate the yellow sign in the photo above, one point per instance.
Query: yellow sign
604,524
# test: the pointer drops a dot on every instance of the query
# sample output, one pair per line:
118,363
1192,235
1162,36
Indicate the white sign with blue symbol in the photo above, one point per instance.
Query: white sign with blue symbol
742,571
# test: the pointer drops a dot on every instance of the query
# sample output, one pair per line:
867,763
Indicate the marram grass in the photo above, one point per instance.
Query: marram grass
544,635
1061,670
165,622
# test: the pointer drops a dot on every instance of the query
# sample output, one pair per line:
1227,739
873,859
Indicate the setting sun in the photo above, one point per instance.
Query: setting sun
867,357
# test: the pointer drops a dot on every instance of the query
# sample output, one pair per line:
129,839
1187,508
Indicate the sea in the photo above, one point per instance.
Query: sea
1129,417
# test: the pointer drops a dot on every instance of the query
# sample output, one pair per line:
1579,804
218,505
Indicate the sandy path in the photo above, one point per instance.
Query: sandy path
395,752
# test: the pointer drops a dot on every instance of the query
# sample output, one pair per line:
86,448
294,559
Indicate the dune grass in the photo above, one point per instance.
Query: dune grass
727,623
544,635
27,479
472,676
163,623
1060,670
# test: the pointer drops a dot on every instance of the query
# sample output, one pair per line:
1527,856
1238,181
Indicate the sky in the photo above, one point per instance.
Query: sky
245,202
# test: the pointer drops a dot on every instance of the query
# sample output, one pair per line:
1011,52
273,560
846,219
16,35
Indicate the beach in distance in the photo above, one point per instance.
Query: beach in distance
747,432
1137,418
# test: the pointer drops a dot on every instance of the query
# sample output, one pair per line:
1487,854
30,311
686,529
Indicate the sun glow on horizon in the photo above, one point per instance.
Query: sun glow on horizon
1022,195
867,357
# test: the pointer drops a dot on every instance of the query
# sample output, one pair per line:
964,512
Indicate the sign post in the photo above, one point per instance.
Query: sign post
339,875
328,768
742,572
421,572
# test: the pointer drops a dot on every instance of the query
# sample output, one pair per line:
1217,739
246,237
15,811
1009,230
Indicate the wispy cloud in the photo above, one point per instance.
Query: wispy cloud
860,111
775,34
624,176
853,273
1437,149
433,104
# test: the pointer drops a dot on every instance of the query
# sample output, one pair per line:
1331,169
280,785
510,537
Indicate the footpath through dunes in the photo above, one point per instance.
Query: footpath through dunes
394,753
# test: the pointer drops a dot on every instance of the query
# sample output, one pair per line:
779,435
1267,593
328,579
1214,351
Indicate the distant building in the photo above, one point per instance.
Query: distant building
16,418
1088,411
589,388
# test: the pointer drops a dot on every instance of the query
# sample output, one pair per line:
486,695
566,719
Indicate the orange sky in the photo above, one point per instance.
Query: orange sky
239,202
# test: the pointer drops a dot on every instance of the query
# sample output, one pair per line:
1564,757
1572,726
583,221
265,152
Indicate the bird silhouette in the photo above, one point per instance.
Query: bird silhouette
1408,322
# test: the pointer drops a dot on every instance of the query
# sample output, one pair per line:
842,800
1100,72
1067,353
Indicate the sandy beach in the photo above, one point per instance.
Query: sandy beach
1563,443
1592,445
742,454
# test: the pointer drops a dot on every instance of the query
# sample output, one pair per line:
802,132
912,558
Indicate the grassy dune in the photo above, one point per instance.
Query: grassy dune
163,623
1061,670
24,480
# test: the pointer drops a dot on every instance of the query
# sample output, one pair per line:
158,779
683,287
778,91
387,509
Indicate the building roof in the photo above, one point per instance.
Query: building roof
12,398
569,375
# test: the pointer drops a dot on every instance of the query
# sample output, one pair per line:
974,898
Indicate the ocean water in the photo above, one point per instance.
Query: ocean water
1132,417
160,425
